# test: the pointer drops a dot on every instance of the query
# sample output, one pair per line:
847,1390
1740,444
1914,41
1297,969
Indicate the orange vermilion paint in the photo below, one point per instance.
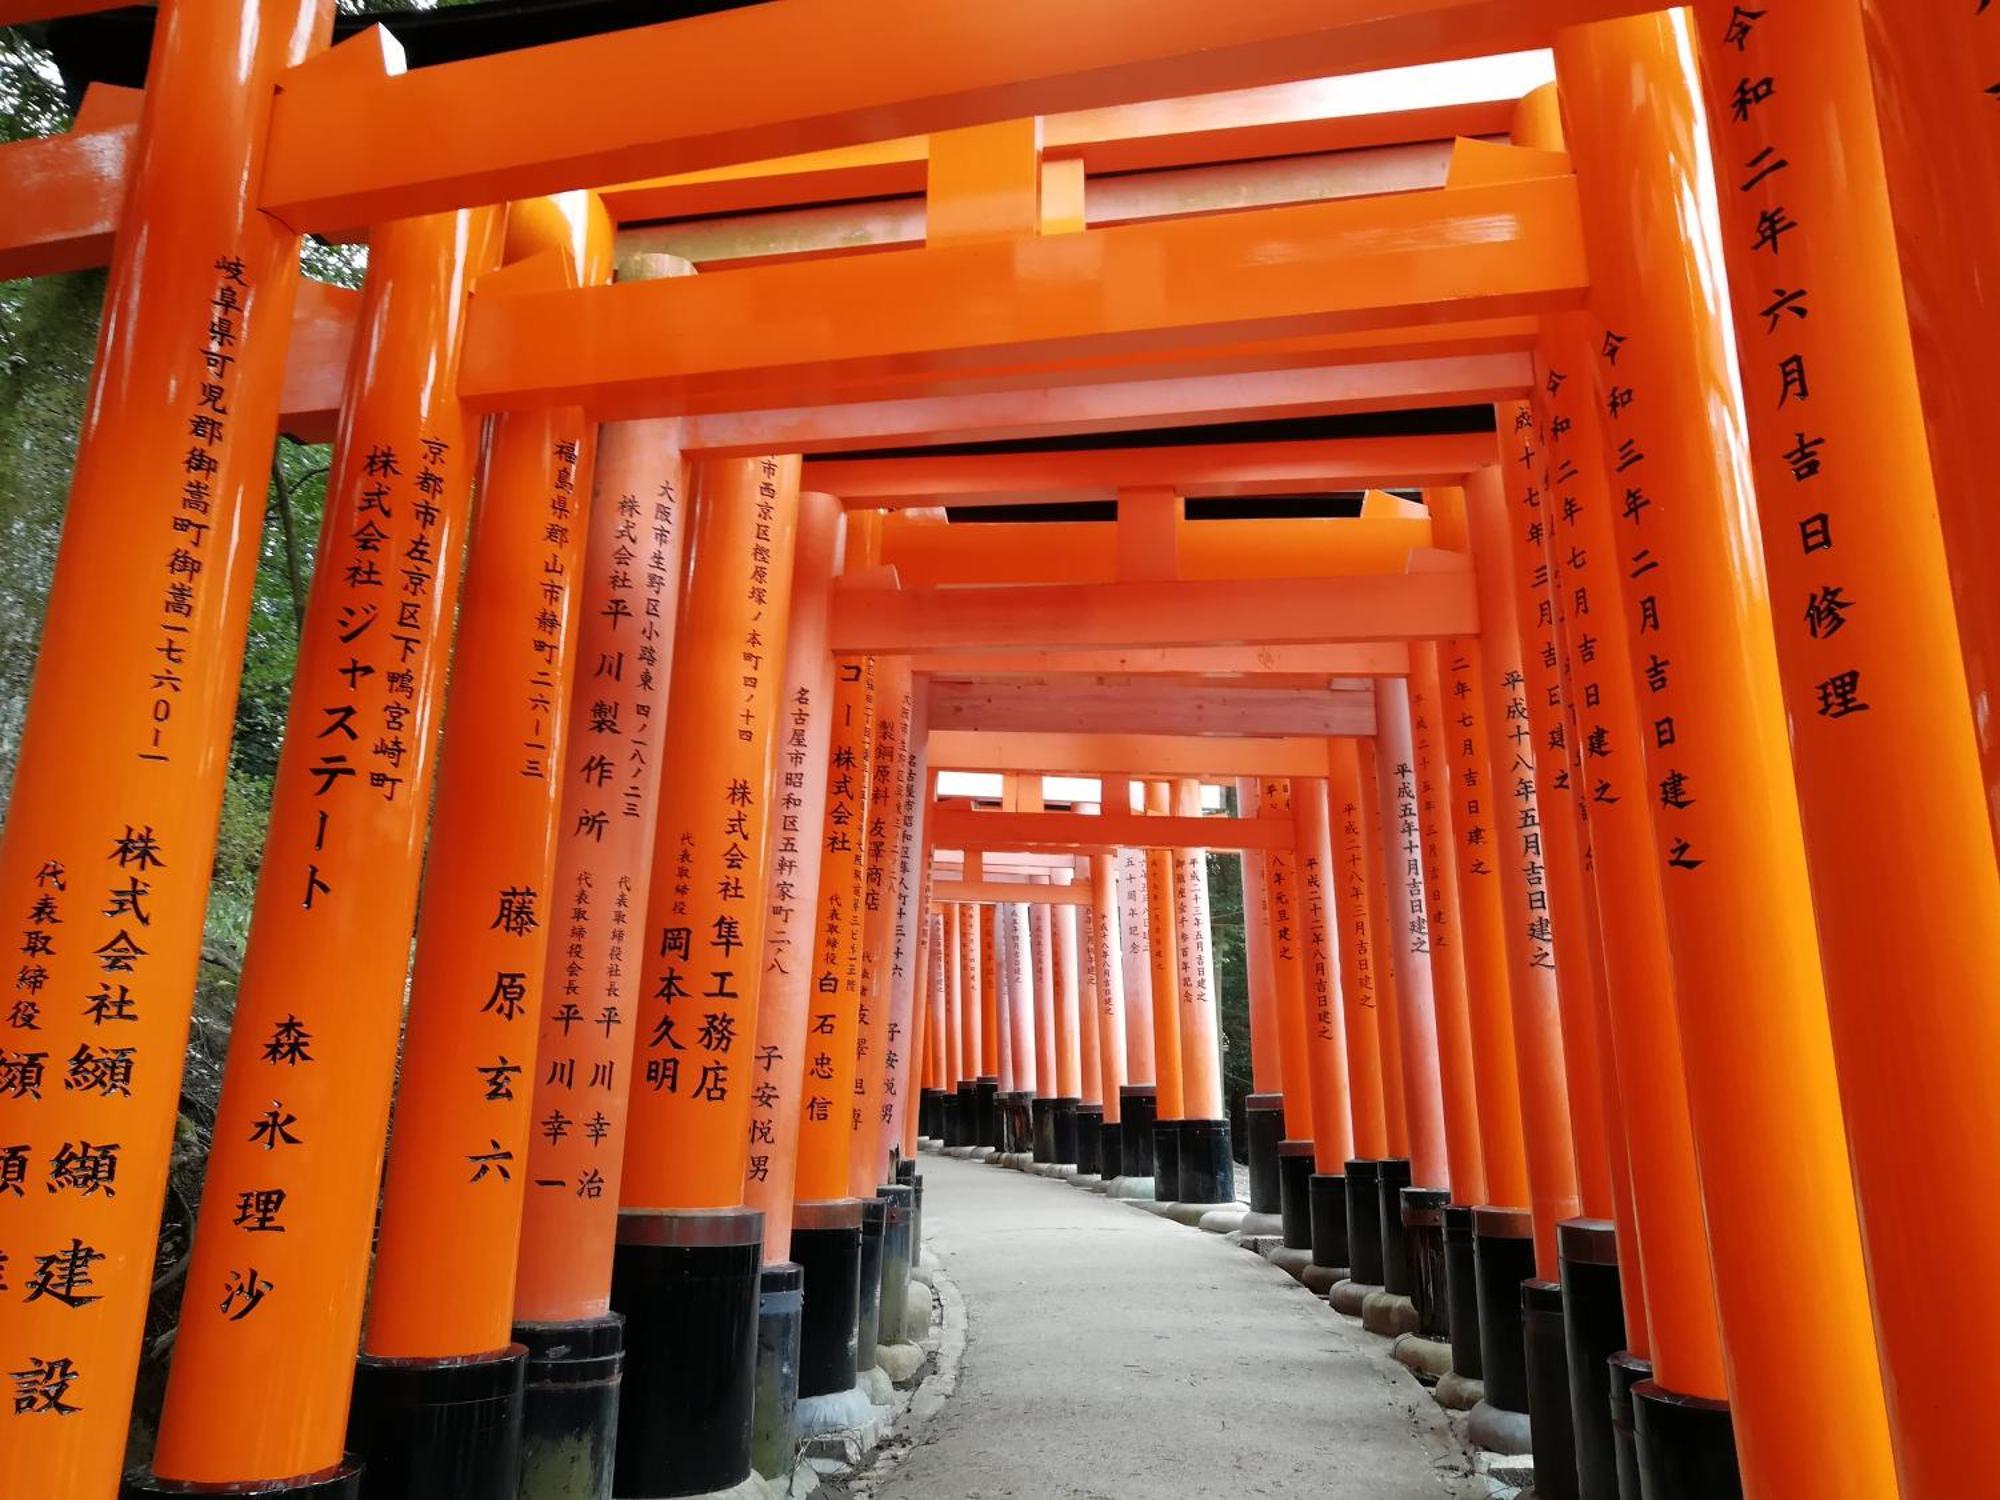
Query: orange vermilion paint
1163,954
1201,1051
1326,1038
1286,904
1360,960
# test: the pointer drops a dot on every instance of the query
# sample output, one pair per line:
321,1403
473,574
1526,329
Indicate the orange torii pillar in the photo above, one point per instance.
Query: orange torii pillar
1884,742
1207,1161
438,1390
1326,1032
974,1004
1670,1325
1806,1391
1019,1009
1297,1158
1163,953
119,787
882,849
271,1318
596,904
1090,1035
1426,1208
1395,1118
1936,74
938,1000
685,1273
1042,1006
770,1179
906,953
1264,1108
1108,959
985,1132
829,1235
953,954
1427,1165
1139,1099
1065,966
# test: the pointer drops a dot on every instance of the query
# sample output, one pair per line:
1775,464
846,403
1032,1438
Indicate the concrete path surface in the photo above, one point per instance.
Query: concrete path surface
1114,1355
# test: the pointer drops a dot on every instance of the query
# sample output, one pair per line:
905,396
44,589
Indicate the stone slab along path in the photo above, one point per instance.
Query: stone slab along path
1115,1355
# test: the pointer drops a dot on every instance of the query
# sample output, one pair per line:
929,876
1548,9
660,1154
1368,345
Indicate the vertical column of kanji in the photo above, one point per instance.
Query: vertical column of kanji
1326,1038
1804,1379
906,954
611,776
972,968
1003,999
1041,1004
1297,1156
1361,976
1882,735
685,1271
1206,1159
826,1227
1090,1026
438,1388
1106,958
1388,1029
1163,949
881,842
954,990
786,990
1936,72
1264,1108
104,867
986,1080
936,1066
272,1314
1017,1041
1065,1015
1670,1304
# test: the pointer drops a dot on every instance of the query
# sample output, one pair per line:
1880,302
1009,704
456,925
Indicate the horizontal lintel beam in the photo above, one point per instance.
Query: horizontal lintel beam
951,826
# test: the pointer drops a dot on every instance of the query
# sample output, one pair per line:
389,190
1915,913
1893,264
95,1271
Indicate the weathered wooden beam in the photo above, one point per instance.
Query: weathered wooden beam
1370,659
1125,755
956,826
1043,707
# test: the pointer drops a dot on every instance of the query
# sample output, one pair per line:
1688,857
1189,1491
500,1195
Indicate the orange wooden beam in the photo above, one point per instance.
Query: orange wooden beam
1116,754
1039,706
1371,659
823,74
63,192
1387,385
1276,611
662,347
1215,469
985,892
955,827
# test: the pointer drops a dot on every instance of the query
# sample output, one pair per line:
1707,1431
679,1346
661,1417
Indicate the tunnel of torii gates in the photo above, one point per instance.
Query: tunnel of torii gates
1615,784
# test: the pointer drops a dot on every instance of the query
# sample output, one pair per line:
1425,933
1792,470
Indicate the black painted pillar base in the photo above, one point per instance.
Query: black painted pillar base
1687,1446
686,1281
1263,1128
1111,1150
774,1432
916,1221
868,1322
438,1426
1549,1419
342,1482
1089,1140
1503,1246
951,1121
1062,1130
1042,1115
1461,1280
1423,1237
1626,1371
986,1113
569,1409
1594,1328
826,1243
1295,1174
1139,1104
930,1114
1166,1160
1364,1222
1326,1195
1207,1166
900,1203
968,1112
1392,1176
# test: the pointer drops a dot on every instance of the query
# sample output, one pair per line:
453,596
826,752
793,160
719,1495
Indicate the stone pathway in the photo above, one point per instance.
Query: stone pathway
1113,1355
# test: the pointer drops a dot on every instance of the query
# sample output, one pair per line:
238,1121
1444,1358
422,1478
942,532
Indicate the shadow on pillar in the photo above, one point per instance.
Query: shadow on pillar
1594,1330
1263,1129
686,1281
1364,1222
1207,1166
1461,1278
826,1244
569,1409
1295,1174
1166,1160
774,1435
1423,1237
1392,1175
1090,1140
422,1427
